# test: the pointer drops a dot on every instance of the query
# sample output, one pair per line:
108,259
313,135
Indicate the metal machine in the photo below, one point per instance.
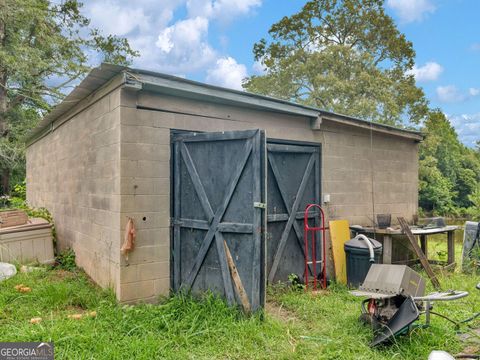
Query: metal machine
395,299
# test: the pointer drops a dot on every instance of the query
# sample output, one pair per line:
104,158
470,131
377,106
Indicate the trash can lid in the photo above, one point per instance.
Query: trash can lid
361,244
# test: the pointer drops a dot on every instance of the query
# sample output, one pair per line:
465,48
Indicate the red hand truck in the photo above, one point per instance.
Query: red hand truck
309,233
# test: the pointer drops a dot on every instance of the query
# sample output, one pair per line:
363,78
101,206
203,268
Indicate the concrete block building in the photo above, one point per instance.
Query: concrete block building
195,165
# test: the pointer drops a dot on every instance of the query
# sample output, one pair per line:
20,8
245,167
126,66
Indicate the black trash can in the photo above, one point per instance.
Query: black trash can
358,259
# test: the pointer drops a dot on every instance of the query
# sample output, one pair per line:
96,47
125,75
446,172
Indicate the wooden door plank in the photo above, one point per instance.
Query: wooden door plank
283,194
423,260
228,227
301,149
316,181
197,183
291,219
216,136
202,252
227,275
176,214
242,294
284,217
257,222
227,280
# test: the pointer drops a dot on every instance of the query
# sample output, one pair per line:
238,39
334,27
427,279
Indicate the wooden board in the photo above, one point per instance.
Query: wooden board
12,218
418,250
339,235
237,281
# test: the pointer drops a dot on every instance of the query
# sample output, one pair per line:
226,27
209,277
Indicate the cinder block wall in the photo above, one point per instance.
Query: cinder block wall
74,172
346,173
145,188
350,155
111,161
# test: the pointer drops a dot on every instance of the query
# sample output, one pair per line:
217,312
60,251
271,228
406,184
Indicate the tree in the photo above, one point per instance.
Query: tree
435,190
474,210
449,172
345,56
45,47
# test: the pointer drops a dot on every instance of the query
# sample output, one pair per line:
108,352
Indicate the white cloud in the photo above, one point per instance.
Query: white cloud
228,73
183,35
259,67
165,42
184,46
428,72
119,21
411,10
450,94
221,10
122,17
474,91
467,127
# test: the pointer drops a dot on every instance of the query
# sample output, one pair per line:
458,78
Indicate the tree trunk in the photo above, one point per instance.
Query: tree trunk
5,181
3,103
5,173
3,81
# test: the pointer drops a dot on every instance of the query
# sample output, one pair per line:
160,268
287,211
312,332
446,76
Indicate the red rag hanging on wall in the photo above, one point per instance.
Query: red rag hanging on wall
130,235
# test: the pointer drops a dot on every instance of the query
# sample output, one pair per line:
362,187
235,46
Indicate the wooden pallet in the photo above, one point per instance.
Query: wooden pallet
12,218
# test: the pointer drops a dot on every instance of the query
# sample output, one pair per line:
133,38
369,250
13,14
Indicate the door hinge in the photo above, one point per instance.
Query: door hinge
259,205
175,222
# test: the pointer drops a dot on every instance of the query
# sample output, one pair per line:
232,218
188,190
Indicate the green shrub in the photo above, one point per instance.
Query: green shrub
66,260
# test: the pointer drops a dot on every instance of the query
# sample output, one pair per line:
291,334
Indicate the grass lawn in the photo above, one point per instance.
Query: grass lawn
296,325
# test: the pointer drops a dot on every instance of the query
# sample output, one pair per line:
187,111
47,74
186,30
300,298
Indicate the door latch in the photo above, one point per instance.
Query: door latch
259,205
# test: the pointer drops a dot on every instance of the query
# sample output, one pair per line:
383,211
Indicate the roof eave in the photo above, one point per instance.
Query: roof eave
191,89
383,128
148,80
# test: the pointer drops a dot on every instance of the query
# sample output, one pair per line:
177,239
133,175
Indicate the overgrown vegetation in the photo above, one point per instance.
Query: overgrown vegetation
65,260
45,48
296,325
449,171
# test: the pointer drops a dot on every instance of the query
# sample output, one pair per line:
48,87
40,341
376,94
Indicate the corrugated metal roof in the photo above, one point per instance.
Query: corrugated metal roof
173,85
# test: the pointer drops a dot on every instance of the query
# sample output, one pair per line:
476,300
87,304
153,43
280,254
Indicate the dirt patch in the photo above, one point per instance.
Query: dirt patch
471,341
471,350
315,293
60,275
279,312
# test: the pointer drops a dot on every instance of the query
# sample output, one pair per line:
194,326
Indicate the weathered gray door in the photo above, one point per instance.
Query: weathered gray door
293,183
219,186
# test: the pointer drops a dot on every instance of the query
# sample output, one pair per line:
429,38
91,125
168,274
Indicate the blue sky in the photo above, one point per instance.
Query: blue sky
212,40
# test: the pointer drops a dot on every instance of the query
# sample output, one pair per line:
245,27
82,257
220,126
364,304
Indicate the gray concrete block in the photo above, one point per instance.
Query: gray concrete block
148,254
141,151
145,134
162,287
136,290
